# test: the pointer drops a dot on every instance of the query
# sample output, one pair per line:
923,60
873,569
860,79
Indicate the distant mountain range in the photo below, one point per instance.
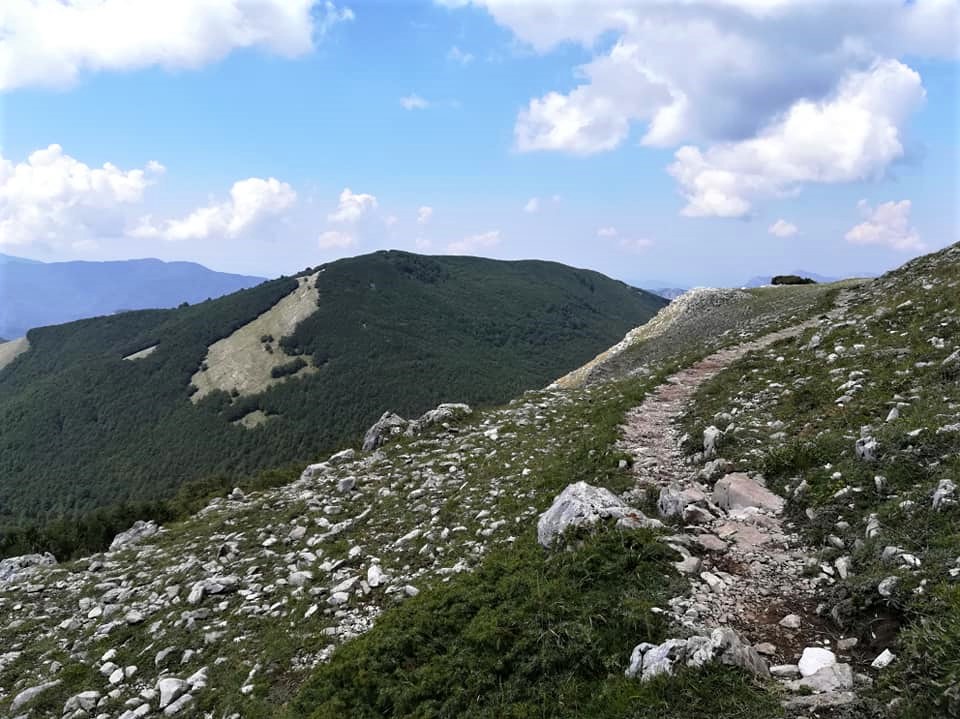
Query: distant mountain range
36,294
761,280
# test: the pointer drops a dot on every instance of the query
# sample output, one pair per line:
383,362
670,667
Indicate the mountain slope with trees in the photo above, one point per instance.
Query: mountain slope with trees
82,428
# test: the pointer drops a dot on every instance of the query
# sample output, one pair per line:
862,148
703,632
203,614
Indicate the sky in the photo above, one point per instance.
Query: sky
683,142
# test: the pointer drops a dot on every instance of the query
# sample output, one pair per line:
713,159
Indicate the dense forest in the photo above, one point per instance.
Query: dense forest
82,430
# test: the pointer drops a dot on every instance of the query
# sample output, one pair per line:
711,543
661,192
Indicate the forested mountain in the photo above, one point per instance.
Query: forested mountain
34,294
98,412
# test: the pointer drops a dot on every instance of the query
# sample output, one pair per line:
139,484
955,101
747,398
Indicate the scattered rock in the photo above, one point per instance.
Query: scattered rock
829,678
884,659
711,441
866,449
814,659
722,645
814,702
944,495
171,688
13,566
791,621
28,695
583,505
738,491
133,536
389,425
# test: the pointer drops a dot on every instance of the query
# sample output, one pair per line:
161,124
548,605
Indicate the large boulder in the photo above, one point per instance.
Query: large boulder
13,566
583,505
133,536
389,425
738,491
443,414
392,425
722,645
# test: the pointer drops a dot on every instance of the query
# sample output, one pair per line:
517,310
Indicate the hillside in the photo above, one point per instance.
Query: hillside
97,413
36,294
801,460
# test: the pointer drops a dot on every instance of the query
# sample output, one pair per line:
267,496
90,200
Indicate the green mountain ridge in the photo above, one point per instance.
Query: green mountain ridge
82,428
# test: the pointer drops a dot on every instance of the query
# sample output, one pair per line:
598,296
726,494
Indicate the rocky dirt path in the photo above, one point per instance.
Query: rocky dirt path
748,569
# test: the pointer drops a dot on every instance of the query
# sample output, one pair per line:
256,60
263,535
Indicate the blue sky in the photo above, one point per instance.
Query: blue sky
694,142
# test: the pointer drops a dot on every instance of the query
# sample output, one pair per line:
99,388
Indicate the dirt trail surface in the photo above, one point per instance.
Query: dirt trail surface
748,569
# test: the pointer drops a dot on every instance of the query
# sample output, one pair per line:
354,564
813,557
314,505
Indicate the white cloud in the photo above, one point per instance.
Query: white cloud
52,42
252,201
414,102
853,135
391,220
53,197
474,243
638,245
607,232
458,55
532,206
352,206
424,214
887,224
782,228
760,68
335,239
422,244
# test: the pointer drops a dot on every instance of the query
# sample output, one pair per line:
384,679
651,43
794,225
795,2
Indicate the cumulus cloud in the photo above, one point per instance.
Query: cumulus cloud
887,224
335,239
458,55
352,206
760,68
532,206
52,42
475,243
53,196
251,202
853,135
607,232
782,228
413,102
424,214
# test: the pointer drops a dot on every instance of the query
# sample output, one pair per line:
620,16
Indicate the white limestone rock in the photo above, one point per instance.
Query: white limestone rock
722,645
814,659
137,533
583,505
738,491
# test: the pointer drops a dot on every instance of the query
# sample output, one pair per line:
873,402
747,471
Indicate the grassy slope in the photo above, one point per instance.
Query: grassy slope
895,348
539,635
392,331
